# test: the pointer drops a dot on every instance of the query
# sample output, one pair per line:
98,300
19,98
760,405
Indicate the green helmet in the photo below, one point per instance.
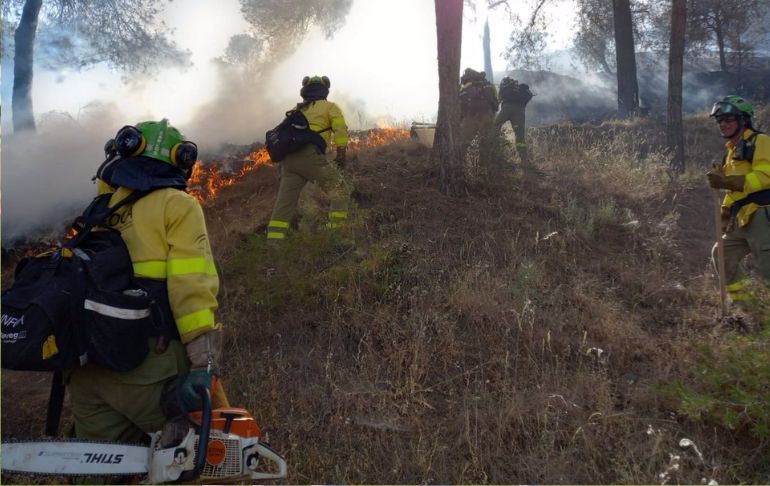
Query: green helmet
157,140
732,105
322,80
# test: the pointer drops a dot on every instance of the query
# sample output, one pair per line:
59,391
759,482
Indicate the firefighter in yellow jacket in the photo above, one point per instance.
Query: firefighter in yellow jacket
745,174
166,236
307,163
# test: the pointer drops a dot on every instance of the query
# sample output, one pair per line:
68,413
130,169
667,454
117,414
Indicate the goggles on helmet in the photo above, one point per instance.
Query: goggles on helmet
723,108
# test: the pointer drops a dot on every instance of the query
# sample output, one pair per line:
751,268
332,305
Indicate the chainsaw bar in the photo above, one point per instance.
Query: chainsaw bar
74,457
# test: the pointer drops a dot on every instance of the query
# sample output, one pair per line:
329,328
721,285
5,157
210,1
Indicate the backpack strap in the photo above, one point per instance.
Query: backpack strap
98,212
55,404
300,107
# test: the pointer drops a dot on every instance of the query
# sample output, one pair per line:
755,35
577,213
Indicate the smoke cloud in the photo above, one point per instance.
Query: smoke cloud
46,175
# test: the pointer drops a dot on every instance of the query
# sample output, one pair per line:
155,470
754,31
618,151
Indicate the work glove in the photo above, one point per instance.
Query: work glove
341,157
718,180
203,353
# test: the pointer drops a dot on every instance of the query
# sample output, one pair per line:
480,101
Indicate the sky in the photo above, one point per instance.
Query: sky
382,65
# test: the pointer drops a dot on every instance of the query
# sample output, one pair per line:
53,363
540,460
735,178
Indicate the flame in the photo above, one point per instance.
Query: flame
376,137
207,180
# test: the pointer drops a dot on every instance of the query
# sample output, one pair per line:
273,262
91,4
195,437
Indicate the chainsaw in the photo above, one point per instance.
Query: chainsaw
223,444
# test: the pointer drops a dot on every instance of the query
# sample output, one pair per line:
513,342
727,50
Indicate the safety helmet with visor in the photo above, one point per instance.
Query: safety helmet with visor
732,105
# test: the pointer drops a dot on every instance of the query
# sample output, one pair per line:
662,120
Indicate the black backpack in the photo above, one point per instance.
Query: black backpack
292,134
79,303
475,99
513,92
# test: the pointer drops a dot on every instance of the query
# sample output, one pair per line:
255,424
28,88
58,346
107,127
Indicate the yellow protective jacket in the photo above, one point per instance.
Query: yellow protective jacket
166,236
757,172
323,115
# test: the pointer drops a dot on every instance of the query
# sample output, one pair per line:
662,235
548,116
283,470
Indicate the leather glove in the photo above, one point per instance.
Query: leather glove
341,157
203,353
717,180
715,176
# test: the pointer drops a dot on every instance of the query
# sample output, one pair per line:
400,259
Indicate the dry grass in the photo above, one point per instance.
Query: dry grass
516,335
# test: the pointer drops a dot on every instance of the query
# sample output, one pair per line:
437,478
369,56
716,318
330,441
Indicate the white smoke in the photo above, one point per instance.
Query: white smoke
46,174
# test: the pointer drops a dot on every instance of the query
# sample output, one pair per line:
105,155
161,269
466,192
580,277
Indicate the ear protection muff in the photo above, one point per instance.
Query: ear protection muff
110,150
129,141
324,80
184,155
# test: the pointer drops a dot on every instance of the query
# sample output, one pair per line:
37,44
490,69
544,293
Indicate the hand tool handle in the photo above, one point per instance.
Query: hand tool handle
720,252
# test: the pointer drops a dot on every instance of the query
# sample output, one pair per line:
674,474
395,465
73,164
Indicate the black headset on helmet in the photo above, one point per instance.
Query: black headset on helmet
324,80
130,142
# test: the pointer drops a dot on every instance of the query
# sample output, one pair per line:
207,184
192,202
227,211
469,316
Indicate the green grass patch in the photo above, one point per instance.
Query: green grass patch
731,385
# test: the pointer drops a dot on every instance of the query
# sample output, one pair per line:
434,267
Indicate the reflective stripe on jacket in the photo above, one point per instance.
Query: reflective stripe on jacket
323,114
757,172
166,236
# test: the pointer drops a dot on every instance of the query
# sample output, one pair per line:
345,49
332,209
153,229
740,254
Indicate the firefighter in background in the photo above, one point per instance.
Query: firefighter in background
514,98
478,105
745,174
308,164
166,236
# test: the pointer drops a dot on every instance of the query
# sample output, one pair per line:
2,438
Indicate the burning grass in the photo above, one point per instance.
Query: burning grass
209,178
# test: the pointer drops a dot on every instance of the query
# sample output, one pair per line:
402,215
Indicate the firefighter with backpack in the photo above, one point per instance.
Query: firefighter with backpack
306,160
745,174
165,234
515,96
478,105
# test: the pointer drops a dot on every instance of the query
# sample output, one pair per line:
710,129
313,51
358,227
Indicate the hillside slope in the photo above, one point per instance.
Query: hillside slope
519,334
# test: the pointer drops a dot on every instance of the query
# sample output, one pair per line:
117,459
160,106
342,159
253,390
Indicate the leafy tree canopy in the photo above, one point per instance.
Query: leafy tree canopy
127,34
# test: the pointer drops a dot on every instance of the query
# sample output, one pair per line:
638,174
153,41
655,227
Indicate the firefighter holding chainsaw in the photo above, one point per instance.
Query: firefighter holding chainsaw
745,174
309,163
166,236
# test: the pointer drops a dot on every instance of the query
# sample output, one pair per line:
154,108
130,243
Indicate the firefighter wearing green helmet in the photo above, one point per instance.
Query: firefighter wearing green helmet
745,174
165,233
308,164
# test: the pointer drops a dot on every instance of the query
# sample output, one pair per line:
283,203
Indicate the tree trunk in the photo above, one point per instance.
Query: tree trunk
721,47
675,130
446,145
628,89
488,54
21,101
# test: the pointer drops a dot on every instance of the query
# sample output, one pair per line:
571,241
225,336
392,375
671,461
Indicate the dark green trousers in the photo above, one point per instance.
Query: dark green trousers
515,114
297,169
124,407
752,238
